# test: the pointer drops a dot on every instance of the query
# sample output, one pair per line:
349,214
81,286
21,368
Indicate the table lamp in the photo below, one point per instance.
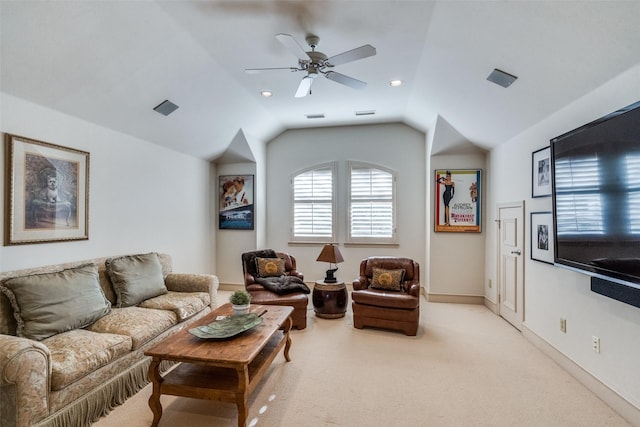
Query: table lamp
332,255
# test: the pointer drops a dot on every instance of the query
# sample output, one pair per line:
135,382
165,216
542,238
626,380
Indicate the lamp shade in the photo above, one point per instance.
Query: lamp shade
331,254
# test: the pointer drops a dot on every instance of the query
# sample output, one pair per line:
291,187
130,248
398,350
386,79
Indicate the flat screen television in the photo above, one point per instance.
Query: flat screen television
596,202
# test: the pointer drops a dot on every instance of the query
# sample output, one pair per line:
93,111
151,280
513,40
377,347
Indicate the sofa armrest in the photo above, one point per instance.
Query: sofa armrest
360,283
25,380
182,282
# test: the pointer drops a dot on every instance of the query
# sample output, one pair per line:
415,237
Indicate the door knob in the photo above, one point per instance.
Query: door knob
517,252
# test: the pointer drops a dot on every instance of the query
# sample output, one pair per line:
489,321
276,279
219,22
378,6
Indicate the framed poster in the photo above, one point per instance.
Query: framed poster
542,237
236,202
541,173
46,192
457,204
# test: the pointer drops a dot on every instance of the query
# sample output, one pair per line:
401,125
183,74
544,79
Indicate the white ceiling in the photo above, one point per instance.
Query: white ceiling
110,62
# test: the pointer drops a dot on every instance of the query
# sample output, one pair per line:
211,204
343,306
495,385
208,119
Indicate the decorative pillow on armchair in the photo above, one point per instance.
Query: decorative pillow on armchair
136,278
388,280
270,267
51,303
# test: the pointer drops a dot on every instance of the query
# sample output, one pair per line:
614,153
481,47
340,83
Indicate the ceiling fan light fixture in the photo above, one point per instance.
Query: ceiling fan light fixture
396,83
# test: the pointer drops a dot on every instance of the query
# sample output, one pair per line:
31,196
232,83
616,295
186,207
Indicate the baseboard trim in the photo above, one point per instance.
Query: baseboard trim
455,299
622,406
491,305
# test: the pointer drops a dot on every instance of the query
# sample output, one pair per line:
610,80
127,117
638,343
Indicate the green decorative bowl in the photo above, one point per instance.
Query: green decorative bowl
227,328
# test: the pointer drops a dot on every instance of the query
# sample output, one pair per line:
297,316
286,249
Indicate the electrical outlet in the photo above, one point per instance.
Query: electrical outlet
563,325
595,341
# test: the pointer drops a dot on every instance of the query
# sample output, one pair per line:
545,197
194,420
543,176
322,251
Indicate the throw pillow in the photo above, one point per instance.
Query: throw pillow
389,280
51,303
270,267
136,278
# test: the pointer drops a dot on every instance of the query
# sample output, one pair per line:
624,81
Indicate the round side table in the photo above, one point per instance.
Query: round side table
330,299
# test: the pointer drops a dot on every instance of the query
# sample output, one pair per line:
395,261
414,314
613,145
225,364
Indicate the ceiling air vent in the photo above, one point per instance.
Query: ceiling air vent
365,113
315,116
166,107
501,78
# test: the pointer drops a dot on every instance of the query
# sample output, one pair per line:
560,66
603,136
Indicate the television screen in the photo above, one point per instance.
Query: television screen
596,197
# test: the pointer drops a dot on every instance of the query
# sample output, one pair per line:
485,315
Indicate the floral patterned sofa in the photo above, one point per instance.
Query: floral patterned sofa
73,336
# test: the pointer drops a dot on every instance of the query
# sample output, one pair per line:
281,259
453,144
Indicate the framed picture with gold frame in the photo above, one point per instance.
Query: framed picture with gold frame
46,192
458,193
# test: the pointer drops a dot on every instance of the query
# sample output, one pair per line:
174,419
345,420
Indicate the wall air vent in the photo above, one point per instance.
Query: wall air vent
366,113
315,116
501,78
166,107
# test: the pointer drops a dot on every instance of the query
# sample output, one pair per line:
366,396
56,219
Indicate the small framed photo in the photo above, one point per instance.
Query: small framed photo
541,173
235,202
46,192
542,237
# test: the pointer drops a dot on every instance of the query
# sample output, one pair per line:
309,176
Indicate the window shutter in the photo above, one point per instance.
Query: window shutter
313,204
371,204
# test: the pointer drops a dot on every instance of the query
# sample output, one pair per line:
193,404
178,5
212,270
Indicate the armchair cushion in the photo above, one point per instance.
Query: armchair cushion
136,278
51,303
270,267
390,280
249,260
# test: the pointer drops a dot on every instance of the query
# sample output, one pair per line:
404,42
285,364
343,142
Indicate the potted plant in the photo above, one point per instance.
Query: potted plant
240,301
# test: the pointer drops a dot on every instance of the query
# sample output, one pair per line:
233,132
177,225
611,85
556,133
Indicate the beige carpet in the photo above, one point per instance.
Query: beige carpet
466,367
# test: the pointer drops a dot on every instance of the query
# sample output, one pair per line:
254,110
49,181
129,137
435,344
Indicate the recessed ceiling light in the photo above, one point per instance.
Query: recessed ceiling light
396,83
266,93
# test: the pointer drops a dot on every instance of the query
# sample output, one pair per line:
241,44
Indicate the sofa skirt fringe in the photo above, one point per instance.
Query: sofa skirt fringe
103,399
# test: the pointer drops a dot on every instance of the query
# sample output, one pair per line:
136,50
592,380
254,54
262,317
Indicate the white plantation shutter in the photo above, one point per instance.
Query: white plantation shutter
371,204
313,204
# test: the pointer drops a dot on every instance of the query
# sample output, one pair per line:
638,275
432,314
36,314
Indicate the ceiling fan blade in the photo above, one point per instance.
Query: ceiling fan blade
352,55
258,70
304,87
290,43
345,80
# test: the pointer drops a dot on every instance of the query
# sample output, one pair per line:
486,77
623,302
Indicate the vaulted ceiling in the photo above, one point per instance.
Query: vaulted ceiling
110,62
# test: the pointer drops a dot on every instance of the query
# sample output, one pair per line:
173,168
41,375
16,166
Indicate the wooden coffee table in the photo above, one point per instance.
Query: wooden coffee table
225,371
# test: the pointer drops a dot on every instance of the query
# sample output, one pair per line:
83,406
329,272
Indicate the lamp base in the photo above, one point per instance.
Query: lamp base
330,277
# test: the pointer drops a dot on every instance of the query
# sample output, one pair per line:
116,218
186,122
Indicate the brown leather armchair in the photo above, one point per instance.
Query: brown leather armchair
260,295
389,309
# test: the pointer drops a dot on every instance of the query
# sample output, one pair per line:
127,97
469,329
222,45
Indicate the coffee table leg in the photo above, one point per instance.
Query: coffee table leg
241,397
154,400
287,327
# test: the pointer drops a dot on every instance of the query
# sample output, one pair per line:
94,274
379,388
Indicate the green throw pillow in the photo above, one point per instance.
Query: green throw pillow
270,267
136,278
389,280
51,303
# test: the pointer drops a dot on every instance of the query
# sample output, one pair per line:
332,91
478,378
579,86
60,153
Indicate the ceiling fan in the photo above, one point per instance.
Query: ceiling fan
315,63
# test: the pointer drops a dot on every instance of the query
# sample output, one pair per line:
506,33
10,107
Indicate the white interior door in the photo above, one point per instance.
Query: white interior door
511,262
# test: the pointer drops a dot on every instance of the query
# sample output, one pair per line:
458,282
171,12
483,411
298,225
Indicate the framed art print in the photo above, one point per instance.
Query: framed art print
46,192
542,237
457,200
541,173
236,202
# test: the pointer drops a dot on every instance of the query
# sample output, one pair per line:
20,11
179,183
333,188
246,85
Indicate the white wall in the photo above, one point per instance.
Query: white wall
396,146
143,197
552,292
